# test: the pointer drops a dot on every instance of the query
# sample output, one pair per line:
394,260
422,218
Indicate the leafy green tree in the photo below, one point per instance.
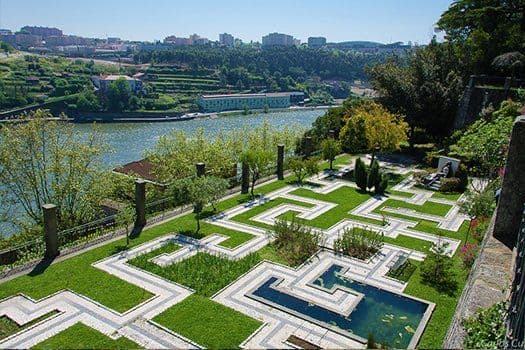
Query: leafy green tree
360,174
438,269
426,86
302,168
331,148
257,161
134,103
484,29
118,95
199,191
125,218
87,101
47,162
372,128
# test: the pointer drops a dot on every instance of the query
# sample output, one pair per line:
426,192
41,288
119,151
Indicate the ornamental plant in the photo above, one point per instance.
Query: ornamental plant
468,254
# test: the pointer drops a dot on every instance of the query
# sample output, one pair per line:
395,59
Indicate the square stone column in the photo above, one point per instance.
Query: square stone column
140,203
512,197
50,230
280,162
200,168
245,178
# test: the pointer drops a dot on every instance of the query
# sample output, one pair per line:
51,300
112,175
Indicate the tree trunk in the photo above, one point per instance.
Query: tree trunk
373,157
198,223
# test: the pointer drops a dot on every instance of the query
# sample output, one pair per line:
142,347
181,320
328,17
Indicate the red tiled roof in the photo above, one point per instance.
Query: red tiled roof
142,168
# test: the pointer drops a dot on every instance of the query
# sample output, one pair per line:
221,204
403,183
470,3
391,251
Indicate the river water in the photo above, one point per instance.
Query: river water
129,141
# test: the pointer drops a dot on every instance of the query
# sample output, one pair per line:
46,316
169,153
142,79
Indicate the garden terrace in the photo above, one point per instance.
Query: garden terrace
172,287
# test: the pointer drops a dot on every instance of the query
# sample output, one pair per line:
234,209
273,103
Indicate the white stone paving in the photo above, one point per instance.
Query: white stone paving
136,323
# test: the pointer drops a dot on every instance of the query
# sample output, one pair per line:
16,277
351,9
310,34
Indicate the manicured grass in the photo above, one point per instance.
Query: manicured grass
426,208
9,327
77,274
453,196
208,323
80,336
346,198
247,215
437,327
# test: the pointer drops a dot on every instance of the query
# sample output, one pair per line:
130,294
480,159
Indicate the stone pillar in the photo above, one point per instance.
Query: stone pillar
308,146
50,230
280,162
331,134
245,178
140,203
512,198
201,169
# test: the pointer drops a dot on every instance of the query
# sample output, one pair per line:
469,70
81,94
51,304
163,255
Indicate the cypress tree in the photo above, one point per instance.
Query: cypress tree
360,174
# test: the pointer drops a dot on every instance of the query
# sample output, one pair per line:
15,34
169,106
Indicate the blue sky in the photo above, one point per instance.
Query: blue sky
337,20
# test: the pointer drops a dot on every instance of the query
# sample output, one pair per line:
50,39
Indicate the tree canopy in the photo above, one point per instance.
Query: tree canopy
370,127
484,29
47,162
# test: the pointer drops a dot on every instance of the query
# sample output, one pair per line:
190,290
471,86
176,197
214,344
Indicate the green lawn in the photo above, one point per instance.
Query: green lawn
197,317
208,323
427,208
80,336
453,196
9,327
77,274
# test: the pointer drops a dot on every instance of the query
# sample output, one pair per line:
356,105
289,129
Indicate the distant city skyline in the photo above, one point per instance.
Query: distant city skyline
338,20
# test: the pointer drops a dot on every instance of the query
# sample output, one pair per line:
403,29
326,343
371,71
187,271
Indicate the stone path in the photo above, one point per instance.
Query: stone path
136,323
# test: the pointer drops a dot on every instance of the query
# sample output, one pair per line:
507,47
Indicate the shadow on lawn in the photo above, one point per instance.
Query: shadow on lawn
41,267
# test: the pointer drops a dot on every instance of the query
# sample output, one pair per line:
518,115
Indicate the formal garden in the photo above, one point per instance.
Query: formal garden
309,213
258,238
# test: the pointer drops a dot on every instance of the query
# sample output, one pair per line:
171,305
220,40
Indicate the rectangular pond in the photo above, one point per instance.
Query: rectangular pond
391,318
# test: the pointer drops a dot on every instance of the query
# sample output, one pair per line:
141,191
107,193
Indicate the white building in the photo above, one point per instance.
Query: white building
102,82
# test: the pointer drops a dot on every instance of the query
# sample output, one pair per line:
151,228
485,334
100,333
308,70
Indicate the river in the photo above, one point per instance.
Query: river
129,141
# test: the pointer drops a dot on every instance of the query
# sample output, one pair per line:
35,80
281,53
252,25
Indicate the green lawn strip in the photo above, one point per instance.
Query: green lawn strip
9,327
77,274
247,215
165,249
399,193
438,324
80,336
428,207
437,327
413,243
428,226
453,196
346,198
208,323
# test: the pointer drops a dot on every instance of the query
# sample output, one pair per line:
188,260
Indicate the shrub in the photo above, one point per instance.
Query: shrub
419,176
373,175
486,329
360,174
294,241
450,184
437,269
358,242
462,175
468,254
381,186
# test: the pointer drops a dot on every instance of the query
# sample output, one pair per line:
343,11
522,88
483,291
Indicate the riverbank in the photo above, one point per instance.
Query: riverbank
160,116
